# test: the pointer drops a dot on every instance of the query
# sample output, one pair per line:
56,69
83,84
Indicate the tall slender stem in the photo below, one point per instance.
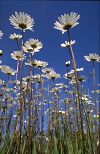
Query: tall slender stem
89,132
94,81
95,103
42,105
17,69
77,86
29,107
48,96
20,129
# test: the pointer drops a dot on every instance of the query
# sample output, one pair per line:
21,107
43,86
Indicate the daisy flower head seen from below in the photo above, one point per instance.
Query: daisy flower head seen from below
68,75
67,63
47,70
32,46
52,75
18,55
81,78
1,34
67,21
41,64
1,52
61,85
78,70
7,70
22,21
15,36
67,43
37,63
92,57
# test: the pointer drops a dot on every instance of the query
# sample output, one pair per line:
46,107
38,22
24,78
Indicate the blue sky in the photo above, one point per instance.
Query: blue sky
45,13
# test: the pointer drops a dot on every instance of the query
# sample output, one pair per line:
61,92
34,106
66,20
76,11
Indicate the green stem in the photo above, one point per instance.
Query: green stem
20,129
89,132
42,106
77,86
94,81
29,108
17,69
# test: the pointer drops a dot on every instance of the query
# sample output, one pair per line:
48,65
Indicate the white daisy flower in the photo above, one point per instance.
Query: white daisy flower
7,70
18,55
28,78
15,36
96,91
67,43
37,63
61,85
92,57
32,46
68,75
1,52
47,70
67,63
81,78
22,21
78,70
41,64
1,34
73,81
67,21
53,75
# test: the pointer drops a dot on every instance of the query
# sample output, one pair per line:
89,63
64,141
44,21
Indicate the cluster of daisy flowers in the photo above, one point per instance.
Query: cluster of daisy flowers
36,98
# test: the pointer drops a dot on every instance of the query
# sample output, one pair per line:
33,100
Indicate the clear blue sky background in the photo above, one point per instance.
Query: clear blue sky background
45,13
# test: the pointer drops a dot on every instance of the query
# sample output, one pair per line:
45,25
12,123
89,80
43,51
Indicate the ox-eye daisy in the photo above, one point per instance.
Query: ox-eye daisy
67,43
18,55
52,75
15,36
67,21
32,46
37,63
1,52
7,70
67,63
47,70
41,64
92,57
78,70
22,21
